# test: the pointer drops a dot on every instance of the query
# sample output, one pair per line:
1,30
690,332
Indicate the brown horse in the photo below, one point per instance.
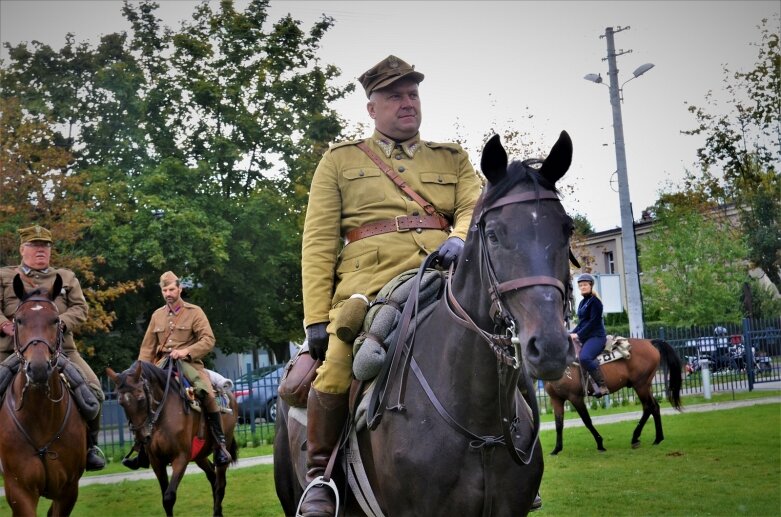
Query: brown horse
162,421
449,432
43,438
637,372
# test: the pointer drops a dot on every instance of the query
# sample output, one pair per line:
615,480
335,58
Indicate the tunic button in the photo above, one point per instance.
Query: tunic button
419,230
402,169
398,156
361,173
415,213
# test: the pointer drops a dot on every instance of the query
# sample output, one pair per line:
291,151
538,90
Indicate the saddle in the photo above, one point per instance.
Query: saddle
616,348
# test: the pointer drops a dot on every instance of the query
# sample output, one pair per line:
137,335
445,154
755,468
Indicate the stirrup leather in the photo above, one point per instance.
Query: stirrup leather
317,482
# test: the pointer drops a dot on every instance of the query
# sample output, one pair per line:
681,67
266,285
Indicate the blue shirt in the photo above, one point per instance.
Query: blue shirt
589,319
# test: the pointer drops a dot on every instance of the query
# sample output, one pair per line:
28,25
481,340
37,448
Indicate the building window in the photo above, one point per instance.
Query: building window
610,265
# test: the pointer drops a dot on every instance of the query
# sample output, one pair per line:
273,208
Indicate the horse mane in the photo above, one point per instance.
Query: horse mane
520,172
148,370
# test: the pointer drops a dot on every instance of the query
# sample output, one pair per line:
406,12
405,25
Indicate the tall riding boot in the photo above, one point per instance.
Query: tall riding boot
600,388
140,461
221,454
326,415
95,458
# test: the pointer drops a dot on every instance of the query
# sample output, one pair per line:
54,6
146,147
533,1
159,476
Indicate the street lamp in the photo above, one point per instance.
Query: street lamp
631,276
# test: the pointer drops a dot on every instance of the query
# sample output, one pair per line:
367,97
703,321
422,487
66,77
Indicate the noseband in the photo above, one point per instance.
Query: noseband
55,349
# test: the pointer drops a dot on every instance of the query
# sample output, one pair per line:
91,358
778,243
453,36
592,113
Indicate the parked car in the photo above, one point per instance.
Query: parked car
257,395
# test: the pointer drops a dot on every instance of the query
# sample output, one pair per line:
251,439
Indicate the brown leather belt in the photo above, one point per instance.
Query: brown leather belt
401,223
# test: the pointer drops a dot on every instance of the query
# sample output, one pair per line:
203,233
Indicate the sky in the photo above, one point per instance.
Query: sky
509,65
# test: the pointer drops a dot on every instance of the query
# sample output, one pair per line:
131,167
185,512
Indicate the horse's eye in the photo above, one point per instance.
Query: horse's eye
492,236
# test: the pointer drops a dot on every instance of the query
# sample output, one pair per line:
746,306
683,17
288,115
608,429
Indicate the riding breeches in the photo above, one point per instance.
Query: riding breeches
199,378
336,373
590,350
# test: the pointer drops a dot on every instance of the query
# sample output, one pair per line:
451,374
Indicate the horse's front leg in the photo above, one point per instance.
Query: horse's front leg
178,466
216,481
159,466
219,489
22,503
64,505
558,414
580,407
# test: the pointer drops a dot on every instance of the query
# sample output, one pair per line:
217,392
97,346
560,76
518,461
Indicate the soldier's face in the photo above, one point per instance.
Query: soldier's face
36,254
396,110
171,293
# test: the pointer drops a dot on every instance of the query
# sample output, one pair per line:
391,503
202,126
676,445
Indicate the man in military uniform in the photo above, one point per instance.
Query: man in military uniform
35,271
180,330
362,230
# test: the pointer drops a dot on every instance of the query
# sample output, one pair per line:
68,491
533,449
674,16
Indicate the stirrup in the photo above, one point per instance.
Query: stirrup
318,482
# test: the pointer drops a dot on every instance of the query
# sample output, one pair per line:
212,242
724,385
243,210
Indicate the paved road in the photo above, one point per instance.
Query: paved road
574,422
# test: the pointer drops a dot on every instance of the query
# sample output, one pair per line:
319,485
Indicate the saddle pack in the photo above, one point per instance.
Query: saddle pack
87,399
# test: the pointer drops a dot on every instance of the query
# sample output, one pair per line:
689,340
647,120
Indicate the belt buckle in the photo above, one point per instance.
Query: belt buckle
398,229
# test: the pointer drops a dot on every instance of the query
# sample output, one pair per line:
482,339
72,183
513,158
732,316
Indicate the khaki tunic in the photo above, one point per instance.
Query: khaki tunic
348,190
70,302
188,329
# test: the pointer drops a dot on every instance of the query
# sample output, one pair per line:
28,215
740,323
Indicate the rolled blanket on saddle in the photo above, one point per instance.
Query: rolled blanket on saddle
380,327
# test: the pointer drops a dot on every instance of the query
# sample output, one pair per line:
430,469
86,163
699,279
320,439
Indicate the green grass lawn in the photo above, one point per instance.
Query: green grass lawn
719,463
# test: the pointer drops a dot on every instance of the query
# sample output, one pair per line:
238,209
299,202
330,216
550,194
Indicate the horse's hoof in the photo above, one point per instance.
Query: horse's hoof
636,445
601,449
555,452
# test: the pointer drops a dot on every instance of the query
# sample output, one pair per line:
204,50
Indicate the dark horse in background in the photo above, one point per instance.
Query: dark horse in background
637,372
458,438
43,437
162,421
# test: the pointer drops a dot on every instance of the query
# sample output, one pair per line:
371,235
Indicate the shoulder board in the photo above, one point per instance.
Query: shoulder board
345,144
450,146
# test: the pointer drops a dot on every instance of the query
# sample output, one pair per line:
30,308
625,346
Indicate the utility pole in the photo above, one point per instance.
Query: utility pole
631,275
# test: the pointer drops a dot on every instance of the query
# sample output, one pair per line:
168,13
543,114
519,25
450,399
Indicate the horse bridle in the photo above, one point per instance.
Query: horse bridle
503,344
152,416
55,349
507,346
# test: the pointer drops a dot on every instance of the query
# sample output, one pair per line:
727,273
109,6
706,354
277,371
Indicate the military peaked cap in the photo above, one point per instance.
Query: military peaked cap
34,233
387,72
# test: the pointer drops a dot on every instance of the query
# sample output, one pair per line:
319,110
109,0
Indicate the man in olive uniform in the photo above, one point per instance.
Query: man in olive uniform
362,230
180,330
35,271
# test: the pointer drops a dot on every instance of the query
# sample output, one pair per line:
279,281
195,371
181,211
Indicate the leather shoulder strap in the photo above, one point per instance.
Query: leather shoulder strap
428,207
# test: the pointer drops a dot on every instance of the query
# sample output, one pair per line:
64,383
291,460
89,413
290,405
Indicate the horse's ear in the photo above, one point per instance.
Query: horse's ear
559,159
136,372
493,162
18,287
56,288
112,374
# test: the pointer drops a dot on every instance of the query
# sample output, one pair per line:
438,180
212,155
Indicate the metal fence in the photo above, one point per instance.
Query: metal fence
737,358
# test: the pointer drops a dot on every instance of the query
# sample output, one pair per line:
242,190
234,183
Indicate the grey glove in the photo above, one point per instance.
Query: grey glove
317,337
449,251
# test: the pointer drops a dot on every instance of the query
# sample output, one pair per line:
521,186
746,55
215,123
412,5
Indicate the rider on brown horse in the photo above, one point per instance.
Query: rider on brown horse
36,273
180,330
590,330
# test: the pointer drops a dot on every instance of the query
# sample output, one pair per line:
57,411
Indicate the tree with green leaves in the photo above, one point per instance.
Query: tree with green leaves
741,156
694,266
195,148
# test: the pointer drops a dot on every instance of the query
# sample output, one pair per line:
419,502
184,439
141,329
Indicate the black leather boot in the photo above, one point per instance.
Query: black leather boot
95,458
221,454
600,388
326,414
141,460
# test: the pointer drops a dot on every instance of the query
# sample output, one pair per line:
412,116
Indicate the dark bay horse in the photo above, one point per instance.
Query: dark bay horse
637,372
43,438
159,418
451,434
